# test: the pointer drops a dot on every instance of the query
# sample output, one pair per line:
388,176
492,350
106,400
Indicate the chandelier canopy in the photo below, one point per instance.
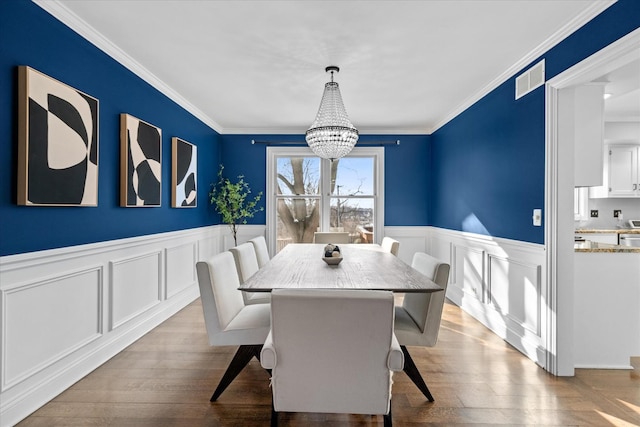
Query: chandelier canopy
331,136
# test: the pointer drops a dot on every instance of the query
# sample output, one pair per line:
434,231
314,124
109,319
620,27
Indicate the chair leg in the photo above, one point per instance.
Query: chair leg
387,418
242,357
274,414
412,371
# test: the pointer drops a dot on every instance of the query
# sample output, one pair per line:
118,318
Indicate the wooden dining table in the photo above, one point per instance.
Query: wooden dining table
364,266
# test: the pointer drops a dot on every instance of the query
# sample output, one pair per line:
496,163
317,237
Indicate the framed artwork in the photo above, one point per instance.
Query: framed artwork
57,142
184,174
140,163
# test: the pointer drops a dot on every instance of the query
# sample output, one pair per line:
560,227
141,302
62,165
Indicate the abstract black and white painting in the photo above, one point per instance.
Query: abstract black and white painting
184,174
57,143
140,163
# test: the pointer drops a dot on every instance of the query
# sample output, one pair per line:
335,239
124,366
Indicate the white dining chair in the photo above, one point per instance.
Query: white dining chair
331,237
417,321
331,351
247,265
227,319
390,245
262,252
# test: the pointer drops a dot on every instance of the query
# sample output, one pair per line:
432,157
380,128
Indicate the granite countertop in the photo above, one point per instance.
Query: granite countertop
614,231
588,246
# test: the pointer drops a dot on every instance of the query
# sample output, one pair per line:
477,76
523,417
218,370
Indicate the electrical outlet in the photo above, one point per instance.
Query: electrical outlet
617,213
594,213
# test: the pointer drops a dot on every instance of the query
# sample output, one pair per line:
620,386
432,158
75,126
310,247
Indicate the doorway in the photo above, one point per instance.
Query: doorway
559,187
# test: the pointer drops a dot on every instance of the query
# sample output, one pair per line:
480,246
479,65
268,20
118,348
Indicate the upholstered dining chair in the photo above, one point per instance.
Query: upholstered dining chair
262,252
227,319
390,245
247,265
331,351
417,321
330,237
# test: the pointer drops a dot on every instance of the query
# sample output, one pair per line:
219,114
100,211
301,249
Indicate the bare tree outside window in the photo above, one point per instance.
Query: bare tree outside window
300,216
306,201
346,213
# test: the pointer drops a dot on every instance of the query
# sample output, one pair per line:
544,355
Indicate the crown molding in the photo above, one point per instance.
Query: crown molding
73,21
579,21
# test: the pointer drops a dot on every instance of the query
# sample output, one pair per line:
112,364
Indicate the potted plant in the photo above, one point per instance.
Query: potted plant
230,200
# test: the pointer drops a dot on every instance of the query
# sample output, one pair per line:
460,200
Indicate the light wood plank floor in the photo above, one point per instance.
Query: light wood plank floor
166,379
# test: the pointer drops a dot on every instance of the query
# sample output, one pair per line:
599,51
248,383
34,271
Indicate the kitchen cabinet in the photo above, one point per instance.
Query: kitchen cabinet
621,173
624,175
606,310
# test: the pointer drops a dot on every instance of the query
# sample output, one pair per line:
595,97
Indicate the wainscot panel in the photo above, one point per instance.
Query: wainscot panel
58,306
468,271
135,287
71,322
178,277
501,283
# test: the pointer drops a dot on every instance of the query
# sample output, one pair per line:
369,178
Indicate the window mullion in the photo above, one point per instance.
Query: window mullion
325,189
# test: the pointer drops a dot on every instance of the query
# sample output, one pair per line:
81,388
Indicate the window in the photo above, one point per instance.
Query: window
306,194
580,204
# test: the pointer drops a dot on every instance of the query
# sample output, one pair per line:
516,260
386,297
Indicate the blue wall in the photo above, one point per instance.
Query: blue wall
489,162
407,172
481,172
30,36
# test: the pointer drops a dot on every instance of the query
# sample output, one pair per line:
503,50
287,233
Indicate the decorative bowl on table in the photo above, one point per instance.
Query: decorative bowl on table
332,255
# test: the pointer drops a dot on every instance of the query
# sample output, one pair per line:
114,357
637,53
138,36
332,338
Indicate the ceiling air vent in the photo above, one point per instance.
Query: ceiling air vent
530,79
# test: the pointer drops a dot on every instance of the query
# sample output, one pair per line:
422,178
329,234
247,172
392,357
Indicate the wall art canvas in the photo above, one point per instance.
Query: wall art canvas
140,163
57,142
184,174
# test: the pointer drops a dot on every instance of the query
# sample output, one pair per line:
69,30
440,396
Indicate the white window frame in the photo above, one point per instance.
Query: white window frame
580,203
378,191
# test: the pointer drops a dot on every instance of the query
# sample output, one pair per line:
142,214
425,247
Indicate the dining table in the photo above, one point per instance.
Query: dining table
363,266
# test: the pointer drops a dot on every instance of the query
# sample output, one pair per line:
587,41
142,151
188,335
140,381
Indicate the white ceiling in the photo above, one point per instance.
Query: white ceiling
623,93
258,66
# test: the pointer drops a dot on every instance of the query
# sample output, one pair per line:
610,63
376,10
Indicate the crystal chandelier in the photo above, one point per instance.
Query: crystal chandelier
331,136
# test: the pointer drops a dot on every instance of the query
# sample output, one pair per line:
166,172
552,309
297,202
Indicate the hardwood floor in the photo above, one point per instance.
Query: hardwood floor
166,379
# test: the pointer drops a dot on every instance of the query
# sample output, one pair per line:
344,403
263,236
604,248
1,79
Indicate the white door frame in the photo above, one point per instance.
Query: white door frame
559,185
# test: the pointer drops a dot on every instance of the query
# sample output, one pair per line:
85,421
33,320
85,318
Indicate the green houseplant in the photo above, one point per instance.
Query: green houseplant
230,200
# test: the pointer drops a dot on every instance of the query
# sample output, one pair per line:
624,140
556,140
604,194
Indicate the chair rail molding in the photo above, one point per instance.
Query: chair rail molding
66,311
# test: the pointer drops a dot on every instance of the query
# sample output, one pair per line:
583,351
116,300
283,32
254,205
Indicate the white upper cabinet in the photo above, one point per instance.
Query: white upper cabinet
588,133
621,172
624,175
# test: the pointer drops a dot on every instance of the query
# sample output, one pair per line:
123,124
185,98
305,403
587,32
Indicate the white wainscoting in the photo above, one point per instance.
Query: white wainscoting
412,240
499,282
66,311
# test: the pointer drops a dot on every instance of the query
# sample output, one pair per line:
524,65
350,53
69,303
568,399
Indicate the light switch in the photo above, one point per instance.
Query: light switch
537,217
